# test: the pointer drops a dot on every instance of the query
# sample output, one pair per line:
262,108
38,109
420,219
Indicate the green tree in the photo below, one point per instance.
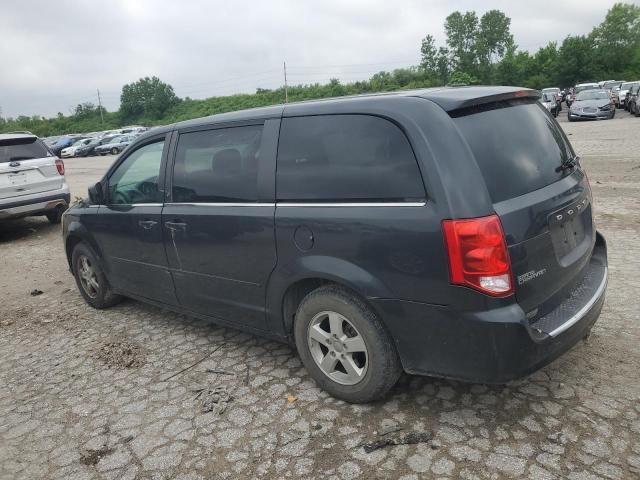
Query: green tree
462,36
429,55
462,78
148,98
617,37
494,39
85,110
576,61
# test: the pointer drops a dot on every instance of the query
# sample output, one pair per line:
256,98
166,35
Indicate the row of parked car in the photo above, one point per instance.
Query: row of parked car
593,100
96,143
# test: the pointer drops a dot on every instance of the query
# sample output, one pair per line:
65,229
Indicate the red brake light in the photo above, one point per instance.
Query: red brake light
60,166
478,255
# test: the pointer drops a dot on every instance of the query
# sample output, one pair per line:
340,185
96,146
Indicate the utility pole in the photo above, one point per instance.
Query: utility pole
100,104
286,91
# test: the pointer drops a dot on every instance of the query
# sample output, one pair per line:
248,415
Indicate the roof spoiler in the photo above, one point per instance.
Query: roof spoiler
499,97
456,99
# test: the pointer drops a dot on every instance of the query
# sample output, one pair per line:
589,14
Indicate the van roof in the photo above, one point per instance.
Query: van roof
14,136
448,98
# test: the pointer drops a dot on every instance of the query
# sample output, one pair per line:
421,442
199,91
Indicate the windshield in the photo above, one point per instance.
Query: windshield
593,95
17,149
547,97
626,86
517,144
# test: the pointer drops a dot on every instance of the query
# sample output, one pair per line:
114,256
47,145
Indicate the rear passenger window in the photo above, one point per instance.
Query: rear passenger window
351,158
217,166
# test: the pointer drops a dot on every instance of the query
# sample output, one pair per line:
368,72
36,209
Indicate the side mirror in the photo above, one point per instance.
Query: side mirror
96,194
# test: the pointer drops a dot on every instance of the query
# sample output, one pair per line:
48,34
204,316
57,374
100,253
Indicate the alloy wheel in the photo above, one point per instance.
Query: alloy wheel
337,348
88,277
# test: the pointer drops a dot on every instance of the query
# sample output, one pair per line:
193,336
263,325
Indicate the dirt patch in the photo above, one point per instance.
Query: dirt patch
215,399
121,355
92,457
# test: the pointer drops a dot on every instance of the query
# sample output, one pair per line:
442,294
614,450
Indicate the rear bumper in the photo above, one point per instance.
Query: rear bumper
35,204
493,346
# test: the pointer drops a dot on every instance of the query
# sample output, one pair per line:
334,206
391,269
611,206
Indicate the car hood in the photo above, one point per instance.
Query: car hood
590,103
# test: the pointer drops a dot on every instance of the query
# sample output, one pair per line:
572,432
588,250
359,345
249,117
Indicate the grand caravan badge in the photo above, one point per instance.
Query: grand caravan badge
525,277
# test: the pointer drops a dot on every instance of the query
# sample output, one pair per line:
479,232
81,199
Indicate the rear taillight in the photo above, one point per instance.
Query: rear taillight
478,256
60,166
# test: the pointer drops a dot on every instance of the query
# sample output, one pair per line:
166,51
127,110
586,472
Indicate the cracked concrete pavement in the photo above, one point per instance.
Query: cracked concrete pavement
71,408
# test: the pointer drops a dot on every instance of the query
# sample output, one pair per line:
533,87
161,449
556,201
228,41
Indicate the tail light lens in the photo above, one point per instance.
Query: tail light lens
478,256
60,166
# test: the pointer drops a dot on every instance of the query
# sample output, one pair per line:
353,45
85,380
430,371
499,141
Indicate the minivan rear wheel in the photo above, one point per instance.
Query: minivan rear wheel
345,346
90,278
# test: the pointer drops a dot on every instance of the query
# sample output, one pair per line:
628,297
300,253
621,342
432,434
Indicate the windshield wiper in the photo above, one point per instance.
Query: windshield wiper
570,162
18,157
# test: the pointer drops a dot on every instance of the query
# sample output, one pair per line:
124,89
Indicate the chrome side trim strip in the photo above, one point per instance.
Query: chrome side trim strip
280,204
236,204
583,311
130,205
353,204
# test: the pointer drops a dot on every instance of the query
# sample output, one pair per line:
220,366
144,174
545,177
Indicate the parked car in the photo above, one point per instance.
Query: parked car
557,95
592,105
622,94
60,144
612,86
89,149
73,149
581,87
32,179
550,103
632,99
115,145
378,234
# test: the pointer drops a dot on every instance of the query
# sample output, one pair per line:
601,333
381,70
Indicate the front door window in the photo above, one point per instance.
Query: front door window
136,179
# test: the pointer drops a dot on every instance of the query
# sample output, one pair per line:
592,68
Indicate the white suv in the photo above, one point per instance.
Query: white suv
31,178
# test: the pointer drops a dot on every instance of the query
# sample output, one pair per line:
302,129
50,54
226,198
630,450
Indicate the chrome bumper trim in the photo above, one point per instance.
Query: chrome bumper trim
583,311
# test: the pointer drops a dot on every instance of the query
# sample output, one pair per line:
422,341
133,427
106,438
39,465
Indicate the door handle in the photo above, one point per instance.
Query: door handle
176,226
147,224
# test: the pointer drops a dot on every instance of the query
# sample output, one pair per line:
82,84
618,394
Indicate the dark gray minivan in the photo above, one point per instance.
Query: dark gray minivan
444,232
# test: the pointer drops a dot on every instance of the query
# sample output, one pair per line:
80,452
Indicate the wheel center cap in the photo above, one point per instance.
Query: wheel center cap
337,346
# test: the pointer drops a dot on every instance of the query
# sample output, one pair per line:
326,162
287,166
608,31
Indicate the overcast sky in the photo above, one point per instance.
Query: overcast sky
55,54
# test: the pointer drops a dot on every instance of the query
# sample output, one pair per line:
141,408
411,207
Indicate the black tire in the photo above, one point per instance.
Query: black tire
104,296
114,151
383,366
55,216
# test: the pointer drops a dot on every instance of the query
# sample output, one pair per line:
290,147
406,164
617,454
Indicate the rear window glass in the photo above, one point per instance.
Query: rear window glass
351,158
517,144
17,149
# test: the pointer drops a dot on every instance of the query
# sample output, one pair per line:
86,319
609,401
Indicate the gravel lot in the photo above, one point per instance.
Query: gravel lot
89,394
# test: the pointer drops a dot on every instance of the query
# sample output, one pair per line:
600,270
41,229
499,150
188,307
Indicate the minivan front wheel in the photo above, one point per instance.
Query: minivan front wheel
90,278
345,346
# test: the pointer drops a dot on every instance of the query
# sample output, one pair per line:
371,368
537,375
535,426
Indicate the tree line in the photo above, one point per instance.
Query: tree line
478,50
